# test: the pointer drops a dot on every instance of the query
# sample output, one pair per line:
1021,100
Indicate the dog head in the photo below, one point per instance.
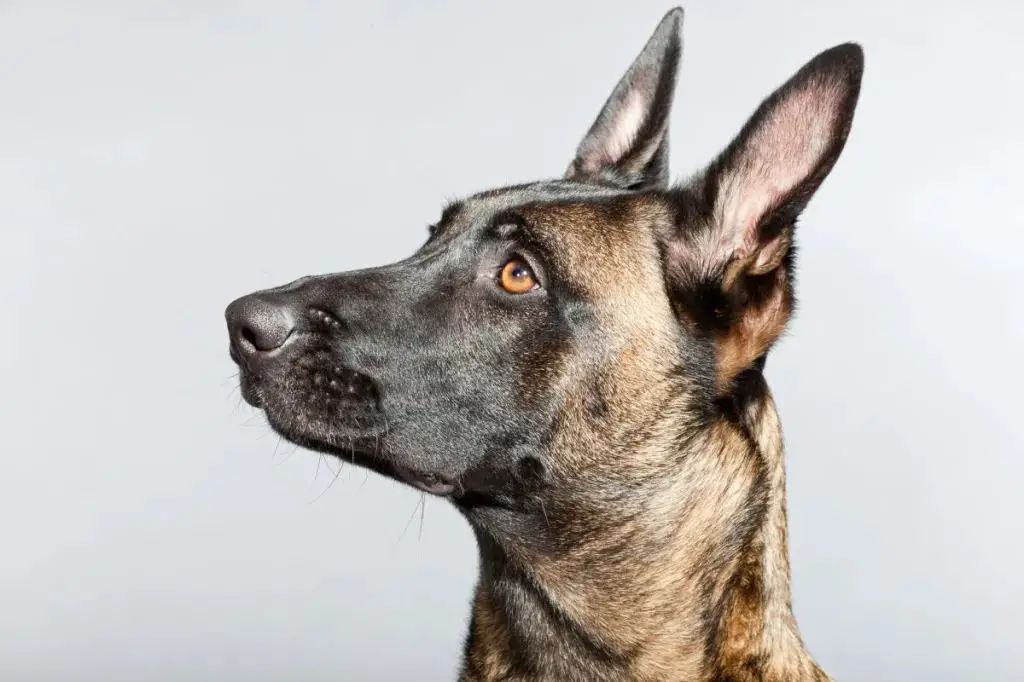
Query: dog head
548,340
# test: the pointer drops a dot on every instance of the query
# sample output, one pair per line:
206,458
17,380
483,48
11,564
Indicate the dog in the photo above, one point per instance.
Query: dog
577,365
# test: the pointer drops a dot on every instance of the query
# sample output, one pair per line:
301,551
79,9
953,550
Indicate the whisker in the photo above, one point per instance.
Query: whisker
544,511
319,459
423,511
341,465
277,446
248,422
409,522
295,448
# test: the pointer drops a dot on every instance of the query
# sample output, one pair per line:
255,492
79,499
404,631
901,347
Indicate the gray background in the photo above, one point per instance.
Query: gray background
159,159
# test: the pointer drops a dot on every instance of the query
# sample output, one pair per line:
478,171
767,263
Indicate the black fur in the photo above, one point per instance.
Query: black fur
427,371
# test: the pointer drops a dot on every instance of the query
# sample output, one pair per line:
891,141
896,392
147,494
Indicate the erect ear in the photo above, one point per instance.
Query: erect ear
627,146
732,274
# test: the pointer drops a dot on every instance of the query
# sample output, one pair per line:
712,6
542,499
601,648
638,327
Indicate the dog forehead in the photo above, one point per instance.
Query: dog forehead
483,207
565,212
542,191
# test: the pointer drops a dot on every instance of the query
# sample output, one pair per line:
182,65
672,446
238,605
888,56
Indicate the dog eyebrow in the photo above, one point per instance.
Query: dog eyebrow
506,230
450,210
511,226
508,224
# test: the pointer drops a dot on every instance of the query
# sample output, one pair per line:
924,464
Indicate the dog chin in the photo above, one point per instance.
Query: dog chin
345,443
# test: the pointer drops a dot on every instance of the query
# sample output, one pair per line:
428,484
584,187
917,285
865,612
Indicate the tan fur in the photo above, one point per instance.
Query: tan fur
645,572
608,433
753,334
489,659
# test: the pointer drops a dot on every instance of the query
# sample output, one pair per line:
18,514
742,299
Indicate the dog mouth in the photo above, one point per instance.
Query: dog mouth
310,398
323,406
353,428
354,444
431,483
347,435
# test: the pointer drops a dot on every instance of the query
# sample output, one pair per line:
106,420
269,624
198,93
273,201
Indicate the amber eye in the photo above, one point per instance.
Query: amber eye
517,278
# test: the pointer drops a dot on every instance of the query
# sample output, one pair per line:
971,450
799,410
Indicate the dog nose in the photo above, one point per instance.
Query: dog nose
258,326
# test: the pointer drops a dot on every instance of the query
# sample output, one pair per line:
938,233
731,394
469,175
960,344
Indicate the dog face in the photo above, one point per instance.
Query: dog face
451,370
561,342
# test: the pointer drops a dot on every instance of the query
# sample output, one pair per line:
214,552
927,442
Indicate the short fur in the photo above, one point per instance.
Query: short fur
609,434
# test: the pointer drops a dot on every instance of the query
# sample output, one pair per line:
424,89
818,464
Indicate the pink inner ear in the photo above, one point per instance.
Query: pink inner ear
624,127
782,151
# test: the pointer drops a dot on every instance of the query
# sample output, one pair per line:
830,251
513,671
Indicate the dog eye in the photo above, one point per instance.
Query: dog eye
516,277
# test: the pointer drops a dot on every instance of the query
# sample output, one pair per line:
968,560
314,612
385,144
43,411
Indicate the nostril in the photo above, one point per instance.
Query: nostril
250,336
258,325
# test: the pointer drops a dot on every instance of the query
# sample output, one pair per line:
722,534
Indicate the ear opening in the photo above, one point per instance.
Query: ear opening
751,196
627,145
790,144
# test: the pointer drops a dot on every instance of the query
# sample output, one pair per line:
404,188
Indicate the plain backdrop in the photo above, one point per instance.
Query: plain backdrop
159,159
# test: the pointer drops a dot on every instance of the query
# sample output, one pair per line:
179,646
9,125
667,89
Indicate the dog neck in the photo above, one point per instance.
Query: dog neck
694,586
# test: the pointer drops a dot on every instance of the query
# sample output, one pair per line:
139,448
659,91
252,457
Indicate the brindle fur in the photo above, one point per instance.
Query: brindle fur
612,440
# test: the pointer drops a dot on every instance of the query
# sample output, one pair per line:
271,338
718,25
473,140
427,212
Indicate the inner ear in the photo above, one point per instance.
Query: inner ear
627,145
739,254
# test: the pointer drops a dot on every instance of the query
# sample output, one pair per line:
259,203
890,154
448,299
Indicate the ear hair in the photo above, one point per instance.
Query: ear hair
752,196
627,145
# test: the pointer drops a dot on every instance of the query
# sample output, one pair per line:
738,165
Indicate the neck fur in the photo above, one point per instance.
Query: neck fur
705,597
